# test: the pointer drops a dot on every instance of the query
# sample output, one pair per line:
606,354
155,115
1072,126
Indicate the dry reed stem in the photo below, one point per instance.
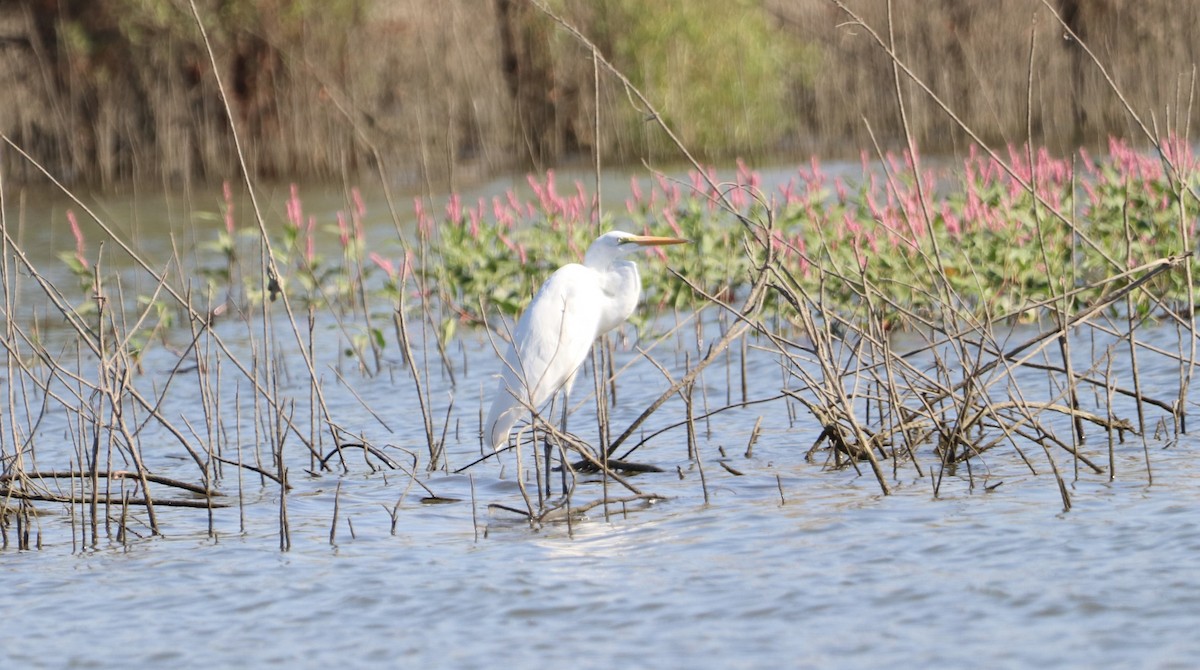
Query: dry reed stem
270,271
87,336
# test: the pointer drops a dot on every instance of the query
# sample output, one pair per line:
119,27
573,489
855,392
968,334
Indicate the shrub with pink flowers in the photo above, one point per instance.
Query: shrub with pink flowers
999,235
1006,232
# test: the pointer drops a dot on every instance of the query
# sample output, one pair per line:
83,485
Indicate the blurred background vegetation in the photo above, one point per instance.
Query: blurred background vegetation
116,91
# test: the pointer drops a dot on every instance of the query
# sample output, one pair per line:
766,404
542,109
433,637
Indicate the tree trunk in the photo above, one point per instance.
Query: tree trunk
528,67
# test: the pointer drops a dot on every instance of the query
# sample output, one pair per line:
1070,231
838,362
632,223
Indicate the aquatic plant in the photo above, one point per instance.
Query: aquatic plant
998,253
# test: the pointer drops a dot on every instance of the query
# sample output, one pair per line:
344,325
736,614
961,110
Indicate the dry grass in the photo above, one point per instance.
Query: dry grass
974,54
431,86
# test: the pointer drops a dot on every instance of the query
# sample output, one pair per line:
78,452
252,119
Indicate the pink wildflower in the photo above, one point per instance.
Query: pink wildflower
952,223
294,212
228,192
840,186
384,264
79,246
513,201
475,216
343,230
669,215
360,208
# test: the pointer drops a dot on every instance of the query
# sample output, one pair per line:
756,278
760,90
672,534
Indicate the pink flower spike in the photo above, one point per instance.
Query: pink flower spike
360,208
343,230
475,216
294,211
851,226
952,224
669,215
454,209
228,192
737,198
310,243
79,246
384,264
777,242
1090,191
581,192
536,186
554,203
507,242
785,190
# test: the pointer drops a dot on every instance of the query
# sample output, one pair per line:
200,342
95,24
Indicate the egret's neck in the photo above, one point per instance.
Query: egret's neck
599,258
622,288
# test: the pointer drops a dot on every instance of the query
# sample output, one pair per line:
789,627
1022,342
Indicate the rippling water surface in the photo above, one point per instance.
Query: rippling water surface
787,565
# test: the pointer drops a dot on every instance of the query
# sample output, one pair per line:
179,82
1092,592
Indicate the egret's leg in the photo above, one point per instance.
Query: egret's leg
562,456
548,450
563,422
533,431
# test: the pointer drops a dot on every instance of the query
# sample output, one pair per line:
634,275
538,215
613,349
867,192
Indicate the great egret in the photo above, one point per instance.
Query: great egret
577,304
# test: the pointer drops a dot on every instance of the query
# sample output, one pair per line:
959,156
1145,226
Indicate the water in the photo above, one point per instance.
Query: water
836,576
788,564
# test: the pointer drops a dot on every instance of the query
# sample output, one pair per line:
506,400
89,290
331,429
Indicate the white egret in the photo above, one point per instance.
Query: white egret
576,305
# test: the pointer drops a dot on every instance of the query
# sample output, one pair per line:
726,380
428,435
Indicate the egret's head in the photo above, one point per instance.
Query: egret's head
612,245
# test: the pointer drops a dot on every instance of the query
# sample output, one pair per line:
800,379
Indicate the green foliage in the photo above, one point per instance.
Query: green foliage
718,70
977,232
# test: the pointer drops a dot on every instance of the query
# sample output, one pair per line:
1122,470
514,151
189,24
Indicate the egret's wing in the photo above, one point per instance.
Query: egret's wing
556,332
551,340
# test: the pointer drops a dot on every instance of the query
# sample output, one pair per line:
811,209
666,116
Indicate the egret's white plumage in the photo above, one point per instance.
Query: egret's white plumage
577,304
